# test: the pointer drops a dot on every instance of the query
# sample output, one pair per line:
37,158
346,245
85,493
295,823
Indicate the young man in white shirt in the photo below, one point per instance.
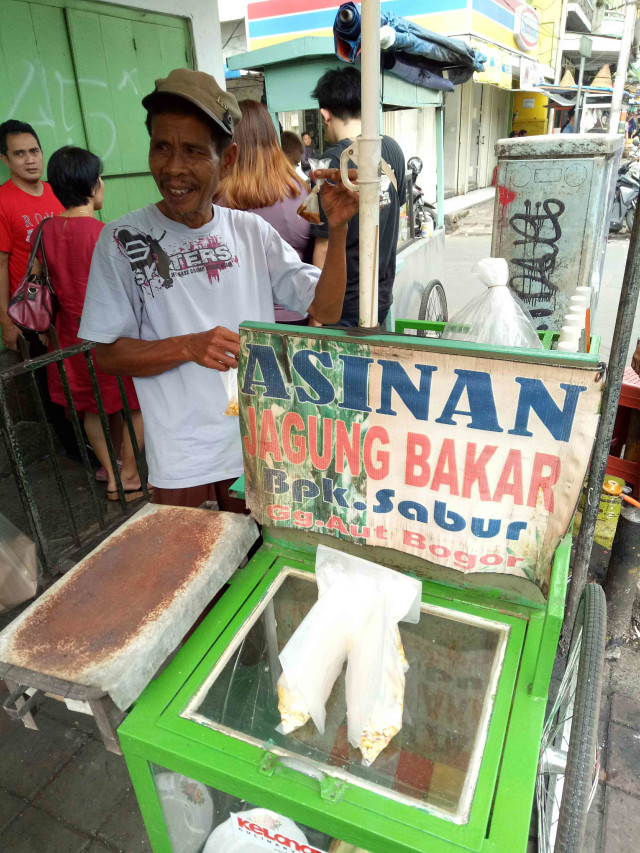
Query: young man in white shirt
170,284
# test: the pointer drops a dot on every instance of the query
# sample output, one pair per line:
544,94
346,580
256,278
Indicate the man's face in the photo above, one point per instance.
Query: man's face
186,166
24,157
306,139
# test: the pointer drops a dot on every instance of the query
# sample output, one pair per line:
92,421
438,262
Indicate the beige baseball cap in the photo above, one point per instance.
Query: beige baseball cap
202,90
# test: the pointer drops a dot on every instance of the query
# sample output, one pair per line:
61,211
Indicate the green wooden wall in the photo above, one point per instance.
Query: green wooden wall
77,72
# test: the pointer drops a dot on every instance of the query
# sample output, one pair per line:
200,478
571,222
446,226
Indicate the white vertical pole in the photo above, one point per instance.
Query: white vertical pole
630,18
369,163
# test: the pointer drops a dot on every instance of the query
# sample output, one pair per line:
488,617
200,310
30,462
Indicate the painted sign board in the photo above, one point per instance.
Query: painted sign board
474,463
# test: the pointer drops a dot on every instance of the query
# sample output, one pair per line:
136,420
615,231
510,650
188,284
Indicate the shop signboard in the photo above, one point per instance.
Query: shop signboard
497,68
473,463
531,73
526,27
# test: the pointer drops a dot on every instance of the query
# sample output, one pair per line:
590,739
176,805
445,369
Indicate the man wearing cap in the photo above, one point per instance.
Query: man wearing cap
170,284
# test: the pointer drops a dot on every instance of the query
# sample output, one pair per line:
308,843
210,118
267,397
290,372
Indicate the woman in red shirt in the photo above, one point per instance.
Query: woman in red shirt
69,240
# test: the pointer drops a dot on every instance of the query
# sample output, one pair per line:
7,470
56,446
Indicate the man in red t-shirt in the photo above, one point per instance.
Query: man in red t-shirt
25,200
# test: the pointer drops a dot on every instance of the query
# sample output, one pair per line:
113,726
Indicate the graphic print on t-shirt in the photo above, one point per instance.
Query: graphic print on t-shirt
155,268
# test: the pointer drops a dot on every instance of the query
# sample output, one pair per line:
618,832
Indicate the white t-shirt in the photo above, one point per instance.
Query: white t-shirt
153,278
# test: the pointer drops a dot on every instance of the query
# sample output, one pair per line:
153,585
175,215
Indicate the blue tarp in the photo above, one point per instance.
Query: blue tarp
418,49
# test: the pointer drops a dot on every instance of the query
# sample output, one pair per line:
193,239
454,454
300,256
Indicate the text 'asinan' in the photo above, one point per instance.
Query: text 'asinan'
347,381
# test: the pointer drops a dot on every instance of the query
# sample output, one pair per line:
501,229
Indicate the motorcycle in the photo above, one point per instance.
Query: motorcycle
424,213
626,193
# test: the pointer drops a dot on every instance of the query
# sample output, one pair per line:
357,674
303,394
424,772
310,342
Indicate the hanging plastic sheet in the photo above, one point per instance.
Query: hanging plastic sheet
431,50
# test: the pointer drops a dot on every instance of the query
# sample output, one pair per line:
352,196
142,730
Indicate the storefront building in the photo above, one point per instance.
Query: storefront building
77,72
519,43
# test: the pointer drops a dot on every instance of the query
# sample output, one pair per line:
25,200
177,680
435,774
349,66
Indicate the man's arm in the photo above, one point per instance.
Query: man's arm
10,331
339,205
329,296
217,349
320,252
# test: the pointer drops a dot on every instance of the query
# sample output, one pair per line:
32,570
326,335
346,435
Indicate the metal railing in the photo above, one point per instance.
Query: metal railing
83,537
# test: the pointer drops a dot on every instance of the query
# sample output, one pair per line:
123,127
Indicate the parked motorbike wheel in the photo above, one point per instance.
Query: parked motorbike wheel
628,218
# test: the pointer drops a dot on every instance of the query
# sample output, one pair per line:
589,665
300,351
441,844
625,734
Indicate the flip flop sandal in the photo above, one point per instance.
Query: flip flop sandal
129,494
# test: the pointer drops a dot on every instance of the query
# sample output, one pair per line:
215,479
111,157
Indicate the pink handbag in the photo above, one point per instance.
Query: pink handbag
33,306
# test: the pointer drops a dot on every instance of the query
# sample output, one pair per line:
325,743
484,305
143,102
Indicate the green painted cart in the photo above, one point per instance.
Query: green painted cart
481,742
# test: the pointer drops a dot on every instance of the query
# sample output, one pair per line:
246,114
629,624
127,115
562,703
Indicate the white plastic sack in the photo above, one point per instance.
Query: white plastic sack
313,658
356,617
18,566
496,316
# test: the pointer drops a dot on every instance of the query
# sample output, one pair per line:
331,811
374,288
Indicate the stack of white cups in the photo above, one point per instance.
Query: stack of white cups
574,322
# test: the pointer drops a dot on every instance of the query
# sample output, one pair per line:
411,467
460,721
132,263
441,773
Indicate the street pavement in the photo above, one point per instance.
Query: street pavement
61,792
471,242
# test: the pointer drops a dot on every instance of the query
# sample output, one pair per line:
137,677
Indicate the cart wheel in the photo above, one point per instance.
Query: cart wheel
433,306
569,758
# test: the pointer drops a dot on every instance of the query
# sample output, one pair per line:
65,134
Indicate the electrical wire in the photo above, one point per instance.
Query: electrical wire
235,29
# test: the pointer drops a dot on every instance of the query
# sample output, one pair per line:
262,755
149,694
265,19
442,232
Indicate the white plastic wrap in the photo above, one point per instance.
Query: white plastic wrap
356,617
230,382
310,207
188,811
375,683
313,659
496,316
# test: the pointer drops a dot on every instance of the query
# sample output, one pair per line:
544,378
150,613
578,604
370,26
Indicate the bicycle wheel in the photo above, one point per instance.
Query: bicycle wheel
433,306
569,764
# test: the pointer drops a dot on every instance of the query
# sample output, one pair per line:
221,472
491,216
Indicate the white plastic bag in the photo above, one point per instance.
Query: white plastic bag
310,207
18,566
230,382
313,659
356,617
375,684
496,316
188,811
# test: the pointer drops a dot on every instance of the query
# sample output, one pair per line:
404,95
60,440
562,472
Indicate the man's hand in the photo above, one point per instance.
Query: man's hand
338,203
635,361
10,334
217,348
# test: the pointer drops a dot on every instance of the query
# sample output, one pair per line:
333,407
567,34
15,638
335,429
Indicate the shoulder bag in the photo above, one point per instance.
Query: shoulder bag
33,306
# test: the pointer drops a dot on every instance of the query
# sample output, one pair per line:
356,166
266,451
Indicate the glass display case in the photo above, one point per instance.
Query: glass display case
211,768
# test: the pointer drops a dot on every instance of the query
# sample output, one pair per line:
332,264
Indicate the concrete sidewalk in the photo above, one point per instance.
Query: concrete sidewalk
61,791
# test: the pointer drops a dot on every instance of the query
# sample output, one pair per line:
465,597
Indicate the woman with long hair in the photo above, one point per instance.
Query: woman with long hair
265,182
68,239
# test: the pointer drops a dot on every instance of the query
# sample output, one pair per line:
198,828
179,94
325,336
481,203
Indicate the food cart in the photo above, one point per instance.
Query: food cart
457,464
462,771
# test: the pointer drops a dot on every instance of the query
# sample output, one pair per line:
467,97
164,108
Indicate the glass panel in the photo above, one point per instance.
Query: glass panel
474,152
452,106
433,761
201,819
